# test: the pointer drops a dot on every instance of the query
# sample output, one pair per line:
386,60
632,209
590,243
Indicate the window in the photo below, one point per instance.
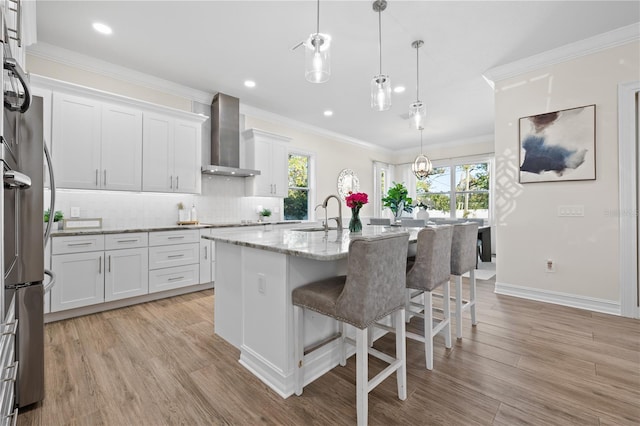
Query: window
296,205
457,189
381,182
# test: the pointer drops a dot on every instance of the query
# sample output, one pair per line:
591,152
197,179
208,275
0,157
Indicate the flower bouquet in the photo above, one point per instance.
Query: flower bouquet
355,201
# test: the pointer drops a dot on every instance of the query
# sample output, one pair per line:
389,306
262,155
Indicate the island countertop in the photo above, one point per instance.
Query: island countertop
309,244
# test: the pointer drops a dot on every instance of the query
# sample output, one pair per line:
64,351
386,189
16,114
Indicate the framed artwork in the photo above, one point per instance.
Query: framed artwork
558,146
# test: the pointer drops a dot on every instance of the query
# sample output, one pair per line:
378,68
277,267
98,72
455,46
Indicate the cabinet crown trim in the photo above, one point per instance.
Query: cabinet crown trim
257,133
76,89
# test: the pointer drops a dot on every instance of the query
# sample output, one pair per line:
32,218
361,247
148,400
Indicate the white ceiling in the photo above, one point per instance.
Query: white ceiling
216,45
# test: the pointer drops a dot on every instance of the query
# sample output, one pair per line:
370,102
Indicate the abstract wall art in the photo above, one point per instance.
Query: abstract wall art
558,146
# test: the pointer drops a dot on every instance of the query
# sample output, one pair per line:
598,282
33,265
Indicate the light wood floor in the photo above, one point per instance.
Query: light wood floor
525,363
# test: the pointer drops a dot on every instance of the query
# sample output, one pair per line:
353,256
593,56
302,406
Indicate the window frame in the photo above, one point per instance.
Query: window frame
311,181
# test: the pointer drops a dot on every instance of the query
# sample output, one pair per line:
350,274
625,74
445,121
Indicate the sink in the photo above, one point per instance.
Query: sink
316,229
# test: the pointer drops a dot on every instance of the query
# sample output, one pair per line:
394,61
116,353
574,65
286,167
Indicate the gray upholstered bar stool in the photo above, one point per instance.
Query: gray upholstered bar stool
373,288
430,270
463,259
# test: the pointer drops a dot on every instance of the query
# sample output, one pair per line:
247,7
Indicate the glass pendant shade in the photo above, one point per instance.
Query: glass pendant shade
381,92
317,58
418,114
421,167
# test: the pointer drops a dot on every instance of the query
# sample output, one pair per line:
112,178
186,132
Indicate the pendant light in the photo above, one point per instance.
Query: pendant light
421,167
417,109
317,63
381,84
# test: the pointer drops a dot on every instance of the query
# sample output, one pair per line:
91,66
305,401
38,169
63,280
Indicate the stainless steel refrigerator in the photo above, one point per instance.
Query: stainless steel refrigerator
22,238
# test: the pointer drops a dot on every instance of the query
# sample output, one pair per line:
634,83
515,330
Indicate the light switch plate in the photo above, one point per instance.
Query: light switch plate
75,212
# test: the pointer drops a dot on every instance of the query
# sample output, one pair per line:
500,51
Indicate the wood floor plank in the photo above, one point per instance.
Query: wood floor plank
160,363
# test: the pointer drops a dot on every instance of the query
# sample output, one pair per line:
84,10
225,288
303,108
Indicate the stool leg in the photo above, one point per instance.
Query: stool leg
341,344
362,377
298,333
458,306
446,311
428,329
472,296
401,353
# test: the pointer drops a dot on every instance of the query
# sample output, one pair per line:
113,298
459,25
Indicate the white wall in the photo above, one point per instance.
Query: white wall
529,231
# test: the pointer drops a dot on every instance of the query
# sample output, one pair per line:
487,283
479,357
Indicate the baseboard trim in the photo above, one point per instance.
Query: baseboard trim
558,298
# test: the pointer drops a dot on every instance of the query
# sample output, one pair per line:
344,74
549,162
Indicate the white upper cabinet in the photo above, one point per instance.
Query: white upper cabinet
101,140
266,152
121,148
171,161
96,145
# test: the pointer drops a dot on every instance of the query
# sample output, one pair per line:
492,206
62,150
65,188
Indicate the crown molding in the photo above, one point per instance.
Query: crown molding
269,116
564,53
458,142
98,66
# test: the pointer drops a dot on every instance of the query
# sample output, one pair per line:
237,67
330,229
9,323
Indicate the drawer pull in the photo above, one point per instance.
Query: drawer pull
109,263
79,244
205,252
128,241
177,237
100,265
173,256
14,375
175,278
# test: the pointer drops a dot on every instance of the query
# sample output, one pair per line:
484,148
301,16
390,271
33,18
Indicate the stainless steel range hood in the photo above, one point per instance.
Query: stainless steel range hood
225,138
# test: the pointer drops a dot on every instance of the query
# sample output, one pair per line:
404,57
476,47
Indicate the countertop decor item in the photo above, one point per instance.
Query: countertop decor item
355,201
265,213
397,200
58,216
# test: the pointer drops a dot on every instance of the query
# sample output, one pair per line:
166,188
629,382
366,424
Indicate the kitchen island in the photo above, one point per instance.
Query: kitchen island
256,272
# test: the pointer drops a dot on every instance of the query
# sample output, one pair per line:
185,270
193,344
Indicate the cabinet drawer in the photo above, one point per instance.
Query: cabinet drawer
164,238
175,255
169,278
77,244
126,240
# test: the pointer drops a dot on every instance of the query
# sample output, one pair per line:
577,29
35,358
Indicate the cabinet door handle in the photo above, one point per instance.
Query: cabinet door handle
173,256
105,177
109,263
275,188
97,171
178,237
177,182
171,182
100,265
127,241
205,252
175,278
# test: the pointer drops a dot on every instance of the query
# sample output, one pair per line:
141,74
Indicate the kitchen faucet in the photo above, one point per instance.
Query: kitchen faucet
338,219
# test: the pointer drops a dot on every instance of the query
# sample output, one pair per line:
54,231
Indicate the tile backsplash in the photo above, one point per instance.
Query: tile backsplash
222,201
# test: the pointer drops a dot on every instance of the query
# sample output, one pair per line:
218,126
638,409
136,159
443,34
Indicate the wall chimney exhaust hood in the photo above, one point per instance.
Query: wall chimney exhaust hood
225,138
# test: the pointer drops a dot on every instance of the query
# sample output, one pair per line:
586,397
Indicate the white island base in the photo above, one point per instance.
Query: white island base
253,311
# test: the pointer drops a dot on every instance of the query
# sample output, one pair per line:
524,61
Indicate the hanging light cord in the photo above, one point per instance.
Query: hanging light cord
318,19
421,141
380,37
418,81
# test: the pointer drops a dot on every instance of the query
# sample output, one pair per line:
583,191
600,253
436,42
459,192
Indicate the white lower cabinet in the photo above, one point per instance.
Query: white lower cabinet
127,273
207,258
79,280
174,259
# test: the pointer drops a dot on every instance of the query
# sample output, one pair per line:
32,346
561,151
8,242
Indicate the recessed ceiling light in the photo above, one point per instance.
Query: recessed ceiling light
102,28
328,113
398,89
250,83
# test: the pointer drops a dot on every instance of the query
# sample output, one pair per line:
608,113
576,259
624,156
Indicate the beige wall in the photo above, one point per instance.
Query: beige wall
443,151
331,156
529,231
58,71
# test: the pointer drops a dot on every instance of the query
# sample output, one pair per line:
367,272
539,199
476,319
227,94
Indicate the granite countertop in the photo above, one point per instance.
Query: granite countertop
122,230
316,245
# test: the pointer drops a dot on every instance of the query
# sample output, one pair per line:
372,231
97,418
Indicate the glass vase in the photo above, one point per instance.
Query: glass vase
355,225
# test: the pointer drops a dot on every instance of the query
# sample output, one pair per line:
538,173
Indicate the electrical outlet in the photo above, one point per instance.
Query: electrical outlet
550,266
571,211
75,212
262,284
